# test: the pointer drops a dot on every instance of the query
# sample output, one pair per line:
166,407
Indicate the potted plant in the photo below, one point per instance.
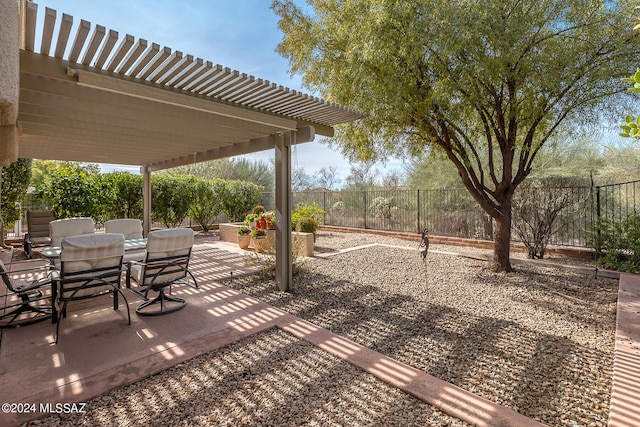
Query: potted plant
258,210
250,220
270,219
244,237
307,224
260,242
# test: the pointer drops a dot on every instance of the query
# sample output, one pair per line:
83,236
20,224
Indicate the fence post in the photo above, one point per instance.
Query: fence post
598,213
324,207
364,198
418,209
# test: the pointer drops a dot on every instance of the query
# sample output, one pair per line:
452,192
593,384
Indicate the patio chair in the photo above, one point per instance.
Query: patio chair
37,230
61,228
166,263
25,283
131,229
90,266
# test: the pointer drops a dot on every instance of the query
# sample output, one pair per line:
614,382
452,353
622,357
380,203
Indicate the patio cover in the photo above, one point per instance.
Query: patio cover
90,95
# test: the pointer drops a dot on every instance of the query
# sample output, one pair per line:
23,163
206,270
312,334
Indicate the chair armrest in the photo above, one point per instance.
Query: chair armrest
22,270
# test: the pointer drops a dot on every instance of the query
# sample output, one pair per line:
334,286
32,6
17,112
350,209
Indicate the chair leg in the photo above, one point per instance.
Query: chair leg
25,307
63,311
161,299
27,247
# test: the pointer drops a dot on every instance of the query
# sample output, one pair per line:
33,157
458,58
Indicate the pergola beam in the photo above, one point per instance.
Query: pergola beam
305,134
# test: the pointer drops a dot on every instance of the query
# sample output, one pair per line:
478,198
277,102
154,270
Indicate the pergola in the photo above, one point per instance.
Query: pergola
93,96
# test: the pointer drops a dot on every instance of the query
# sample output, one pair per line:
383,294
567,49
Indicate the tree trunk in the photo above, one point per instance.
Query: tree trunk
502,241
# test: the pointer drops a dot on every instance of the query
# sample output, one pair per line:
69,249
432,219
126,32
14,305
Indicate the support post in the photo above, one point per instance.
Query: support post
284,276
146,200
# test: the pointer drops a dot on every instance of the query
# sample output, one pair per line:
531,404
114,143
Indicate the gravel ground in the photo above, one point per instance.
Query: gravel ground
539,341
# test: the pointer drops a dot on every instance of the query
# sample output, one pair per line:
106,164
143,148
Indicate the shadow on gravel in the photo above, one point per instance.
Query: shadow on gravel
550,378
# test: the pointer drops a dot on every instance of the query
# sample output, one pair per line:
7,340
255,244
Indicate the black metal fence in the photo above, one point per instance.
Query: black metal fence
450,212
453,212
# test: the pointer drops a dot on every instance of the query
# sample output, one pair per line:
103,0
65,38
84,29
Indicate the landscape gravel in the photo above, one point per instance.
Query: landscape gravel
538,340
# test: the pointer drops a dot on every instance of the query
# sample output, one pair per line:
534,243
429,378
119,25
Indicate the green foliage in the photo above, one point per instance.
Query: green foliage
631,127
618,242
258,233
306,224
205,203
270,217
15,179
244,231
251,217
258,210
237,197
42,168
239,169
170,198
312,210
74,190
128,194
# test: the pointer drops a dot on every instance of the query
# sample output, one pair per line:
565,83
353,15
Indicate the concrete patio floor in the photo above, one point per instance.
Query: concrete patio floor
99,351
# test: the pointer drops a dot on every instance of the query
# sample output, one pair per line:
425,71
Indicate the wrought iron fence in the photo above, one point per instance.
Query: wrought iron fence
453,212
447,212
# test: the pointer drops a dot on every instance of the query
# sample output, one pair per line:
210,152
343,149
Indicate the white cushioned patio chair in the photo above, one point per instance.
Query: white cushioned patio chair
26,285
61,228
90,266
131,229
166,263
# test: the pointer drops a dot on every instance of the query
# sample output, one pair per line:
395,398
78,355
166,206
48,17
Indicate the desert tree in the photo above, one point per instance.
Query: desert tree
487,83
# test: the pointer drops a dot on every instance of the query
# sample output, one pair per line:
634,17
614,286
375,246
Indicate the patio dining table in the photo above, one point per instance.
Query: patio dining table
53,252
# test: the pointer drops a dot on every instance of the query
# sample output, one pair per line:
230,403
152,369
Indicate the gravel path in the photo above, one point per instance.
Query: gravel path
539,341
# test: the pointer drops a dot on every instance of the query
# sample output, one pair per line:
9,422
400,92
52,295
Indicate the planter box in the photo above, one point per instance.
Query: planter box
229,231
302,242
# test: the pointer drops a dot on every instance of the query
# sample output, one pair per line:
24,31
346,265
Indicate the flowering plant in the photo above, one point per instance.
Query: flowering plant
258,233
244,231
269,216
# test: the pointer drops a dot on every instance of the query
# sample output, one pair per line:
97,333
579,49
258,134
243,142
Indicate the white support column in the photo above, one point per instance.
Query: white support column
146,200
9,81
284,276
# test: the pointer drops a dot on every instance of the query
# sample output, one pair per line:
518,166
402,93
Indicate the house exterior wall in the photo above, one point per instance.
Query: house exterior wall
9,81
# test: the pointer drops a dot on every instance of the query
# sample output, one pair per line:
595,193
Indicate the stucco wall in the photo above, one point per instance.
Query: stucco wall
9,80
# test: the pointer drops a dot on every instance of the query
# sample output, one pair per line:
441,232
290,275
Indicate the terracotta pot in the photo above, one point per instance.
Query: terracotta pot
244,241
269,225
261,244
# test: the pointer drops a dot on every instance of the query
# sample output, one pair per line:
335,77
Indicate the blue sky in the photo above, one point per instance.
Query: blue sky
241,35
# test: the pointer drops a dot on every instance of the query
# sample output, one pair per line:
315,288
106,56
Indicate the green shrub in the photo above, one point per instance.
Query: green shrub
258,210
170,198
618,244
75,190
237,197
205,203
307,224
127,202
304,210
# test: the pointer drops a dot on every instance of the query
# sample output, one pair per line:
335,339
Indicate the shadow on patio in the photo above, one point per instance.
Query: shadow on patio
98,351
